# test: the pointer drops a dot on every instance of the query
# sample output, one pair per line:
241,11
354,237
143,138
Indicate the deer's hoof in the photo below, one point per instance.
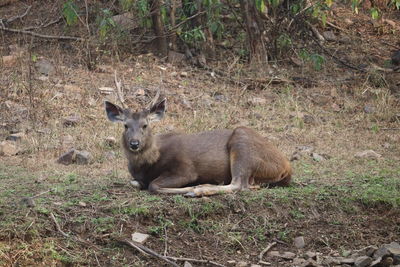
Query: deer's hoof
135,184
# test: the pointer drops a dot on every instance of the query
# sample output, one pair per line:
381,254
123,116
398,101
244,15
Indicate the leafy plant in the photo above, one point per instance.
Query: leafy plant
69,12
106,23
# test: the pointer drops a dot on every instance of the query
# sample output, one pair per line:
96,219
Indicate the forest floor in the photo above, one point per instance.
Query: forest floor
338,201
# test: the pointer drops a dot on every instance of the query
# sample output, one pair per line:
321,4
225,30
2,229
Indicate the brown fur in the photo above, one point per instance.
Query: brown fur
199,164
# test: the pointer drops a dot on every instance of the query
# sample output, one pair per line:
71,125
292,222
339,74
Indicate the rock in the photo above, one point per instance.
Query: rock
242,264
396,58
67,158
220,97
231,263
175,57
317,157
135,184
310,255
83,157
363,261
16,137
329,36
255,101
82,204
125,21
28,201
109,155
369,109
9,61
184,74
299,242
381,253
367,251
72,120
106,90
347,261
8,148
139,237
45,67
298,261
110,141
288,255
367,154
187,264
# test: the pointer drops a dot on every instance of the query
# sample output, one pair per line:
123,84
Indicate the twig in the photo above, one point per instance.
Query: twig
43,26
45,36
195,260
316,32
165,242
265,250
145,250
336,27
57,225
42,193
118,84
19,16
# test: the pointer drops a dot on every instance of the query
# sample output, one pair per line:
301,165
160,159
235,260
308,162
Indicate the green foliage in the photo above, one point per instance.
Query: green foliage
106,23
284,41
374,13
193,36
143,11
316,59
396,3
70,12
126,4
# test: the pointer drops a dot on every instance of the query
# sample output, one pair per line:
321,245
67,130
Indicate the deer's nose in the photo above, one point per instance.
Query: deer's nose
134,144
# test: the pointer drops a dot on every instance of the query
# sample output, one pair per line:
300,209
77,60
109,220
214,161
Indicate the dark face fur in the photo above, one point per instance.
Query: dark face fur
137,135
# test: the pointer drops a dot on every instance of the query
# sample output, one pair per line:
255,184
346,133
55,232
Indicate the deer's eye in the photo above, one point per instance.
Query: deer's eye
145,126
126,126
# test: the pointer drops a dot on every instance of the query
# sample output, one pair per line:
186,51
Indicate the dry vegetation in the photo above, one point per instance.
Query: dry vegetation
338,203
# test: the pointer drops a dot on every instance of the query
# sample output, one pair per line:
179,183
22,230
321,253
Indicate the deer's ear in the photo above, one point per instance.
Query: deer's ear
158,110
114,112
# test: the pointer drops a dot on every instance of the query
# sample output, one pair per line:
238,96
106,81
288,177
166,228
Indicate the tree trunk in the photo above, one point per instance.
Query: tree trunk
254,29
173,23
158,27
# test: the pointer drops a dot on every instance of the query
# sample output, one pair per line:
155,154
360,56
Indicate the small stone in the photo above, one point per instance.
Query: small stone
242,264
329,36
83,157
29,202
184,74
255,101
370,154
9,61
139,237
187,264
67,158
347,261
298,261
274,253
369,109
135,184
72,120
368,251
288,255
381,253
109,155
317,157
310,255
106,90
16,137
110,141
348,21
299,242
362,261
231,263
8,148
45,67
82,204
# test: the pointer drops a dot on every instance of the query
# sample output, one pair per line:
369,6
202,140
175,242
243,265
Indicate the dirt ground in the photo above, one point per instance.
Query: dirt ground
338,201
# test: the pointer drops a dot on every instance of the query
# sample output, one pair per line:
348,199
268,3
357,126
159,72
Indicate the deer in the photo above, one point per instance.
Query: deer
200,164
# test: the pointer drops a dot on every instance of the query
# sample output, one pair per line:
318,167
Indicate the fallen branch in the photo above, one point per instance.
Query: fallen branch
43,26
58,226
145,250
195,260
61,37
265,250
19,16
